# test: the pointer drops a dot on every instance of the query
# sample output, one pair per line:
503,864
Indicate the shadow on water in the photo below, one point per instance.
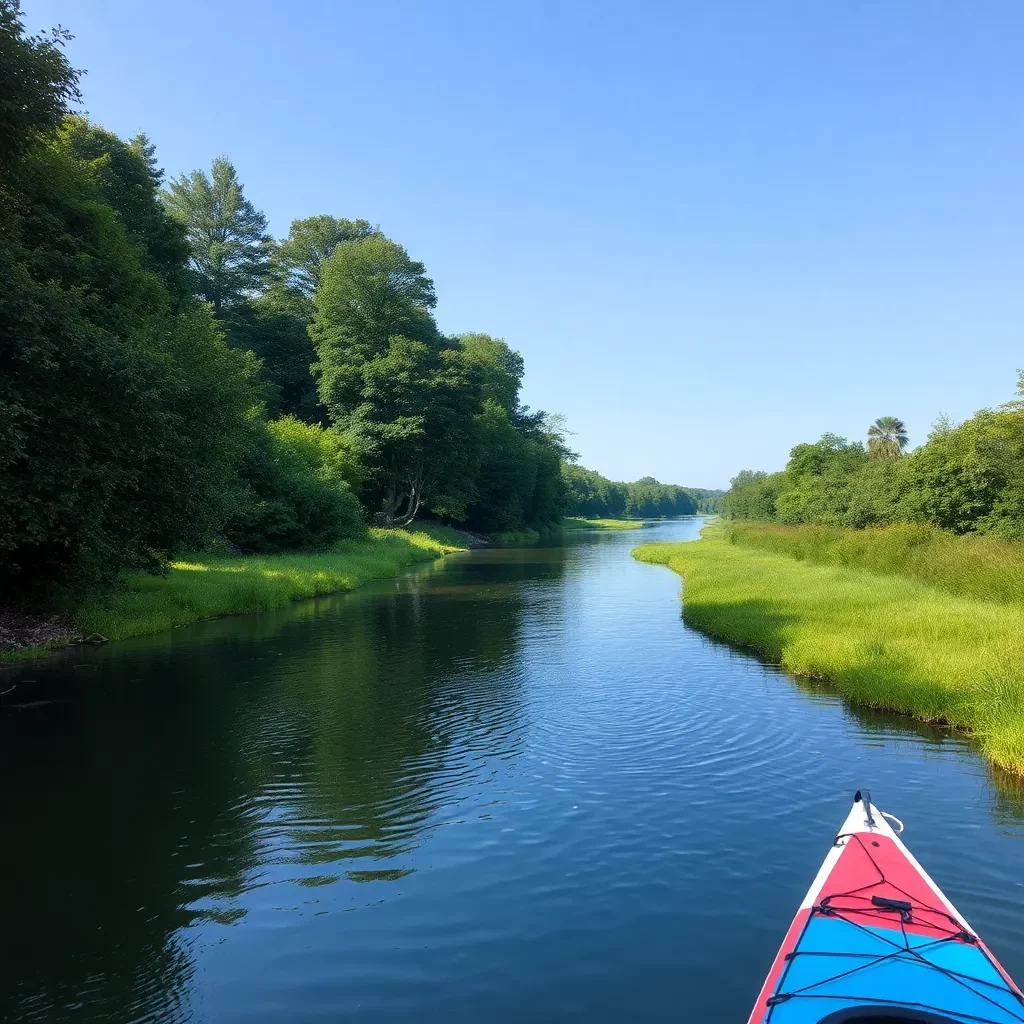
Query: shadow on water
175,774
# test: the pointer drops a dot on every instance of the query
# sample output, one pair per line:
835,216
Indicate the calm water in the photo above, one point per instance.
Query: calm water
514,787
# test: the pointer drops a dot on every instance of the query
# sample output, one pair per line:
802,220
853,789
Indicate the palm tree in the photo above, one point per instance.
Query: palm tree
887,437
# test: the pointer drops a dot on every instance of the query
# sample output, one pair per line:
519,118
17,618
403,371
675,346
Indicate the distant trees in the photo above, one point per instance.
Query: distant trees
965,478
594,496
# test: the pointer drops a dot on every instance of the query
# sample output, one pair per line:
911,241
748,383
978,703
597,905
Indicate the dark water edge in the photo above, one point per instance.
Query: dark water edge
510,786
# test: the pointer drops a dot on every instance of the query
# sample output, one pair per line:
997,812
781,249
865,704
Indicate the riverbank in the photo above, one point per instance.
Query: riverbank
579,523
568,525
205,586
884,640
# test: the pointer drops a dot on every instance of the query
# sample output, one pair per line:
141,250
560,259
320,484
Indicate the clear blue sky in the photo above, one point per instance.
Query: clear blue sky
713,229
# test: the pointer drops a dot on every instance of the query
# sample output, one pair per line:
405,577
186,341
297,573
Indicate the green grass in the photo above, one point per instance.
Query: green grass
202,586
886,641
971,566
579,523
30,653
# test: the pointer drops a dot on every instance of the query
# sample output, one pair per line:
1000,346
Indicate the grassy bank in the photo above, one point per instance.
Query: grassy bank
969,566
203,586
578,523
887,641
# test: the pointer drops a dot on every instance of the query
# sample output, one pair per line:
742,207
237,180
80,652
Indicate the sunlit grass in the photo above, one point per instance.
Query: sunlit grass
579,523
884,641
970,566
200,586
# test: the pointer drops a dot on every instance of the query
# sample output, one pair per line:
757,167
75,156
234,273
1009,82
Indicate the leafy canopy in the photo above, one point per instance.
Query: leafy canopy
310,243
230,255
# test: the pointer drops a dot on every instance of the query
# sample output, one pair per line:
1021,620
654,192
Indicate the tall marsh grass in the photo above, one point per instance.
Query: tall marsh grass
968,566
943,652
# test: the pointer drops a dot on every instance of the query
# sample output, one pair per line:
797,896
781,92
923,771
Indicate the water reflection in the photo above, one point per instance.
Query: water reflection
175,776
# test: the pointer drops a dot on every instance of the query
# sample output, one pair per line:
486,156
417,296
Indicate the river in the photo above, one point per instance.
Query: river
512,786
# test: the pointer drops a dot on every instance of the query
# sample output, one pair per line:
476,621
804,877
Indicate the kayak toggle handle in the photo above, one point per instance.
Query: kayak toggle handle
894,819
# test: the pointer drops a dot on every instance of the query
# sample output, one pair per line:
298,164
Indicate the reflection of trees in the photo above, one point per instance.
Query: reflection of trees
385,704
327,733
112,800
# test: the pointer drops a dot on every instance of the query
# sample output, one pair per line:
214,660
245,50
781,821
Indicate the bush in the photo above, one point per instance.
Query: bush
293,490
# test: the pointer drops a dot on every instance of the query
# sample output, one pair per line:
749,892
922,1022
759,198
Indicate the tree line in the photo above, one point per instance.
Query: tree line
966,478
172,376
594,496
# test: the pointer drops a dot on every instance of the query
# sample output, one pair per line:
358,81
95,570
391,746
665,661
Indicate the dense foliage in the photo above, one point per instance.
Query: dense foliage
122,412
595,496
966,478
170,375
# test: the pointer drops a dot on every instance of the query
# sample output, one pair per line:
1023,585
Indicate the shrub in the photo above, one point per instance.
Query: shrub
293,493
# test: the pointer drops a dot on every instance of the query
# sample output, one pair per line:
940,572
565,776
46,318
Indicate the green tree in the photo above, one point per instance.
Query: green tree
370,291
414,425
501,368
407,396
507,474
227,234
830,454
121,409
752,495
36,84
887,437
130,179
310,242
121,418
276,331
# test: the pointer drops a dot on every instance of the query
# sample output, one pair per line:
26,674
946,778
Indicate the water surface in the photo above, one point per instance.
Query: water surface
512,786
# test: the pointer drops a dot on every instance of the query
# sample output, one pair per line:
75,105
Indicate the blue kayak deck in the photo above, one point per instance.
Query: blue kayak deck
885,967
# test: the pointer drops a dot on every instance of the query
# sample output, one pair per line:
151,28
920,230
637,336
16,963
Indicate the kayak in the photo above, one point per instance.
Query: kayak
875,940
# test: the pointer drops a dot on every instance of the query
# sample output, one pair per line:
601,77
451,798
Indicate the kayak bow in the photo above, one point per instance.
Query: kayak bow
875,940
